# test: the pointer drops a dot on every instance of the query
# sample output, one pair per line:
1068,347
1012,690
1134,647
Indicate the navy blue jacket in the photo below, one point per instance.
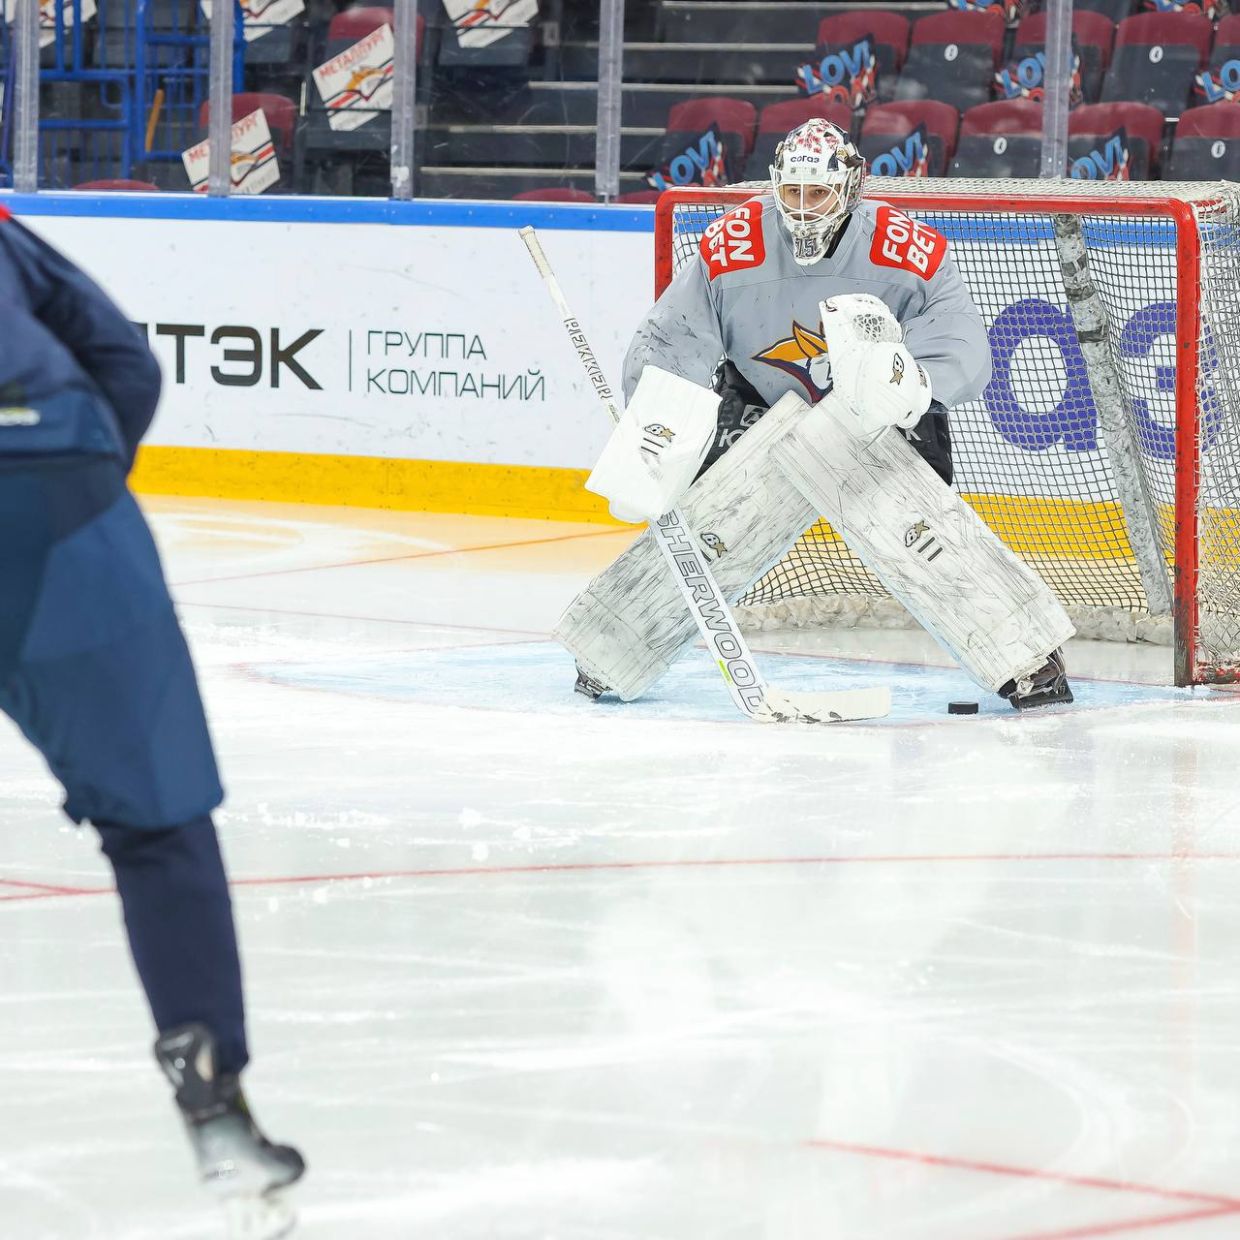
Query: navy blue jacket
75,375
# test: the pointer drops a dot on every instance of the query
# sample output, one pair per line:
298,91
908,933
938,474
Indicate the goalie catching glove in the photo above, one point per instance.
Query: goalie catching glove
876,378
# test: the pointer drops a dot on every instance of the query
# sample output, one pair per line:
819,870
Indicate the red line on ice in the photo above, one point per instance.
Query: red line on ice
1216,1202
603,867
1136,1224
396,559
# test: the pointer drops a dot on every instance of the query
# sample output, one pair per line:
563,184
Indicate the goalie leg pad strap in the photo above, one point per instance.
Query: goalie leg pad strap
631,622
991,612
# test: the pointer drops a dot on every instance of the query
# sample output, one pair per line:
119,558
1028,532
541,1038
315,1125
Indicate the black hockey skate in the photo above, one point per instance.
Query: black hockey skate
1044,687
235,1160
588,686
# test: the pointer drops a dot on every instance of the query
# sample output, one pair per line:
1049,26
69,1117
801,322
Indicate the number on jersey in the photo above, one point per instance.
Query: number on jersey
734,240
906,244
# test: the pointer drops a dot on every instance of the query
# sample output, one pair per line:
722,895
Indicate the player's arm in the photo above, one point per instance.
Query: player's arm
681,334
948,338
108,347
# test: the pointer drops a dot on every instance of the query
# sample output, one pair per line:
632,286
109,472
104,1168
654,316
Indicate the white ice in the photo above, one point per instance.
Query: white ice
521,968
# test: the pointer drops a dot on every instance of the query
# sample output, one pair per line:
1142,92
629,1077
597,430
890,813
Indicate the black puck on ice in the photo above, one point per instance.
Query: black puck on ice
962,708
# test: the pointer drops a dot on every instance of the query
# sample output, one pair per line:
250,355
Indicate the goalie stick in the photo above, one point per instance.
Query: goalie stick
751,694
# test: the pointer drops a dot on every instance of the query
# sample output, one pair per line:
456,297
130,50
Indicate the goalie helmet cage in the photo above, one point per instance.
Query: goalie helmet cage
1106,449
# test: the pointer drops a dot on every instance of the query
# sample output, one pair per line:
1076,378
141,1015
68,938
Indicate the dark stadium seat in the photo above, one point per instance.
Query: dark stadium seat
952,58
1207,144
555,193
1092,124
1001,139
891,35
1156,58
1094,34
997,155
887,126
777,119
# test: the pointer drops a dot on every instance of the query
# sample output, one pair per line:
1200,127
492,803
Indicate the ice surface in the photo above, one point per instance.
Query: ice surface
525,969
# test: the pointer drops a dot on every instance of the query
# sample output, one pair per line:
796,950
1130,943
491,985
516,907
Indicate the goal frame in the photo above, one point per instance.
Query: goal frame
1183,217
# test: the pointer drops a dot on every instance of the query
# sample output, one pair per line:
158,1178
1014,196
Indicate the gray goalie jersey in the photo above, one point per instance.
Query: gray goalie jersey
743,297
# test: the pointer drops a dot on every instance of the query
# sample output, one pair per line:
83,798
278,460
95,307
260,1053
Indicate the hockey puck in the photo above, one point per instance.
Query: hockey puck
962,708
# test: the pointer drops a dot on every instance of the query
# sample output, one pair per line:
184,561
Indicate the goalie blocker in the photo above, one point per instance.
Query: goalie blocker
841,460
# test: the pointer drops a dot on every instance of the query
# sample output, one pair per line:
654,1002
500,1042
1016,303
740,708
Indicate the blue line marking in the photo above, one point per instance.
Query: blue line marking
538,678
290,209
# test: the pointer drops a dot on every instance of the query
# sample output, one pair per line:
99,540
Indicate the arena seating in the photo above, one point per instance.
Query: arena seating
952,58
888,125
1094,35
891,35
1207,144
123,95
1000,139
1156,57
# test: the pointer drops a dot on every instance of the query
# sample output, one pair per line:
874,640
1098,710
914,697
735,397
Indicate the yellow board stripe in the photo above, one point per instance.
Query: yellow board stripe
543,493
1031,526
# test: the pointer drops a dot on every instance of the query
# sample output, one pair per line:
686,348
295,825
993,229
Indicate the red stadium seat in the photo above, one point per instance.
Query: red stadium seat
1215,120
133,187
357,23
1096,119
1090,29
281,114
942,121
776,119
554,193
1166,30
736,116
1207,144
788,114
890,31
963,29
1007,116
1143,124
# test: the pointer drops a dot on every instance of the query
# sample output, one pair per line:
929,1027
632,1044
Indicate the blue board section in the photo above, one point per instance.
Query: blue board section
538,678
289,209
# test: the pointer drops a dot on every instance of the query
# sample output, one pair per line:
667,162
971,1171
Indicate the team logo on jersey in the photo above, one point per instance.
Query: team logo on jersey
793,356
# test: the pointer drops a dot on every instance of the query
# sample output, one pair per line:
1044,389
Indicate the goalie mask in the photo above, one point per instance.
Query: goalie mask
817,177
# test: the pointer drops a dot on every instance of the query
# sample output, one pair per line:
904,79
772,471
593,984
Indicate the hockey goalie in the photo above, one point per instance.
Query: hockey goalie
805,365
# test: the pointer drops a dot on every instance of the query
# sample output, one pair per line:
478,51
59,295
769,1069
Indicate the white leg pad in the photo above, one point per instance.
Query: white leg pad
991,612
626,628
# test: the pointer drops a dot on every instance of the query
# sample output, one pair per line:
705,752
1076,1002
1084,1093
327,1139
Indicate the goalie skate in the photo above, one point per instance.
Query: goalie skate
1045,687
236,1162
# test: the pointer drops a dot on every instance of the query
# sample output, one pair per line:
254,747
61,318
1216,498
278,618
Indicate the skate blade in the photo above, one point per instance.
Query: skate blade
259,1218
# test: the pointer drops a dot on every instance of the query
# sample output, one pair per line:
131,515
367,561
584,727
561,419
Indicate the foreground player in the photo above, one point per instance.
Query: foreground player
96,673
857,310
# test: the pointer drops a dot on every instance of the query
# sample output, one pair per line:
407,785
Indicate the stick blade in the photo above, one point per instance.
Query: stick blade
848,705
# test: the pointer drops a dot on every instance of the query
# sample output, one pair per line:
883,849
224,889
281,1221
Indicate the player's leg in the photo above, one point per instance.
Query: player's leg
98,676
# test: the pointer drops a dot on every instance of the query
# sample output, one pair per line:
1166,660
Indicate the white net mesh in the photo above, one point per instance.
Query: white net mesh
1071,453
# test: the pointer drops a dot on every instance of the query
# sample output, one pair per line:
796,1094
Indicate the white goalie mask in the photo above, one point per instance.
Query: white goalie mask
817,177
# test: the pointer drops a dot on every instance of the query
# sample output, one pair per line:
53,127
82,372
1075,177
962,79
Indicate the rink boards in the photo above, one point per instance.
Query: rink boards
405,355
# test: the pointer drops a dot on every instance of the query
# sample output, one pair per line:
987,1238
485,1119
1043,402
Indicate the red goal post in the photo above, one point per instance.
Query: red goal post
1106,449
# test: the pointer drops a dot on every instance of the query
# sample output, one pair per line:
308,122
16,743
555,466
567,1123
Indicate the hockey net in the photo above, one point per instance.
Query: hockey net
1106,449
